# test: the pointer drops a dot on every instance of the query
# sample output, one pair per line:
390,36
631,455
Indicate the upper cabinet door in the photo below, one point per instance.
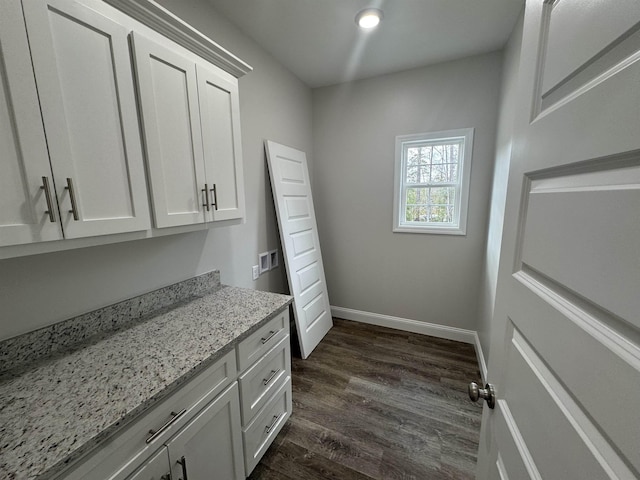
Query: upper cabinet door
85,83
24,160
171,123
220,115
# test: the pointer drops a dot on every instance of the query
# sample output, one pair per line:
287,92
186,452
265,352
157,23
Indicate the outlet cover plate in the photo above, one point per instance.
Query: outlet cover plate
255,272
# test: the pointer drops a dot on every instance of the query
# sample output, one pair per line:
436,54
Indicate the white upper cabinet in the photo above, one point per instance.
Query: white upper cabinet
24,165
191,124
171,119
220,116
83,71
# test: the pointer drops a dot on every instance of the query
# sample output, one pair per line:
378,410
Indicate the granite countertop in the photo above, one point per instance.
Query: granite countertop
59,408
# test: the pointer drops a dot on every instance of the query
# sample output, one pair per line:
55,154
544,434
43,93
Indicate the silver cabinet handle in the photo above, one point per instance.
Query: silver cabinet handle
72,197
487,393
273,423
273,374
269,337
215,197
174,416
205,190
183,463
47,196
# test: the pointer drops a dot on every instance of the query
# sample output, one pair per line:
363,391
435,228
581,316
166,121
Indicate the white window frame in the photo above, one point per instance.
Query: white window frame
459,226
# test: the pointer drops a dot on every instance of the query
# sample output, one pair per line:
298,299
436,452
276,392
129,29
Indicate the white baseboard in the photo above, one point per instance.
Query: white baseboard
415,326
481,361
405,324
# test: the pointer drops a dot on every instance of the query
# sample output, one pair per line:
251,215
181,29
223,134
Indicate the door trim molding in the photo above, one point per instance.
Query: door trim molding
416,326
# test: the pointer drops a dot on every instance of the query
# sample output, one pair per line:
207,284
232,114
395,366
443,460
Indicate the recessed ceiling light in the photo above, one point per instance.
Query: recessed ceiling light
369,18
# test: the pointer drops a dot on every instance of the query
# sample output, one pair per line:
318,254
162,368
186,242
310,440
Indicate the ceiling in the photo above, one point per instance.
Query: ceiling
320,43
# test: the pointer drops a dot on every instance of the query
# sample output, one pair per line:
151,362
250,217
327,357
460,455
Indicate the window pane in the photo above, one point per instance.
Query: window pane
417,196
440,214
442,196
444,173
416,214
413,156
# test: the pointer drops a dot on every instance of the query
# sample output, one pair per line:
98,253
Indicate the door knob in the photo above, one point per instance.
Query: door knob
488,393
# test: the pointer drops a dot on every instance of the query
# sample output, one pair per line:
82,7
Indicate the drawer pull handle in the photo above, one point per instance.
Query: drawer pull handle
271,377
183,463
174,416
72,198
272,334
273,423
47,195
214,190
205,190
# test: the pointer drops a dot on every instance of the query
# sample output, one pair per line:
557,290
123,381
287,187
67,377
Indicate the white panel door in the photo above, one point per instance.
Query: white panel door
85,83
171,124
565,349
299,232
210,446
25,160
220,116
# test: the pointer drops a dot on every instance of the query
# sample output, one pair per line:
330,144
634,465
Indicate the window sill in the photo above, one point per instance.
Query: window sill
430,230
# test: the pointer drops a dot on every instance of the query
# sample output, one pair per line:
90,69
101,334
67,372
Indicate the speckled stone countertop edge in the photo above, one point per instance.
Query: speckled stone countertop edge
96,442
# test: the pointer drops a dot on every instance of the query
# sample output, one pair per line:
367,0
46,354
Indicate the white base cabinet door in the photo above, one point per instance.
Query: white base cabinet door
210,446
156,468
25,216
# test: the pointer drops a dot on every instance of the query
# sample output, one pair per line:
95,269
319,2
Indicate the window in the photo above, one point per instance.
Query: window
432,182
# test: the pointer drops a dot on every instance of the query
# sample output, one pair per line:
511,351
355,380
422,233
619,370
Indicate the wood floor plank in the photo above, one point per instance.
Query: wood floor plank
376,403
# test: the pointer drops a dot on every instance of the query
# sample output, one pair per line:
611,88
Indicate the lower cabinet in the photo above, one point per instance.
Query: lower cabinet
265,387
216,426
208,447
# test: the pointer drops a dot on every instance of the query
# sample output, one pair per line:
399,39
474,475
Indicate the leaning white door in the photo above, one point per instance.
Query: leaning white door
299,232
565,351
83,72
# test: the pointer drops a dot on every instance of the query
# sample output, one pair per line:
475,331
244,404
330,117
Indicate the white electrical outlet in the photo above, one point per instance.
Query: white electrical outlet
255,271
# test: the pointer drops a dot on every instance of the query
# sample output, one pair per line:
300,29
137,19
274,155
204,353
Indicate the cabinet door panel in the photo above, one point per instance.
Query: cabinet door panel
24,151
171,120
220,114
211,444
85,81
156,468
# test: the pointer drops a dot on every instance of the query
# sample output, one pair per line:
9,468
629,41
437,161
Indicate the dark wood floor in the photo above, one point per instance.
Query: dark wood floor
372,402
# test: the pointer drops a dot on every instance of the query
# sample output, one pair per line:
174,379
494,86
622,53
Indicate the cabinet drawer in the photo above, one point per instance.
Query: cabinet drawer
259,383
262,340
129,447
268,422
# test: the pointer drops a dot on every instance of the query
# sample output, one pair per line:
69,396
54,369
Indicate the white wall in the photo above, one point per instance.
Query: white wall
508,101
43,289
431,278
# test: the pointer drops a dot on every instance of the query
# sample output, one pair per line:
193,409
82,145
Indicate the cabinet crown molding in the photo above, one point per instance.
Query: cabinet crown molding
166,23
